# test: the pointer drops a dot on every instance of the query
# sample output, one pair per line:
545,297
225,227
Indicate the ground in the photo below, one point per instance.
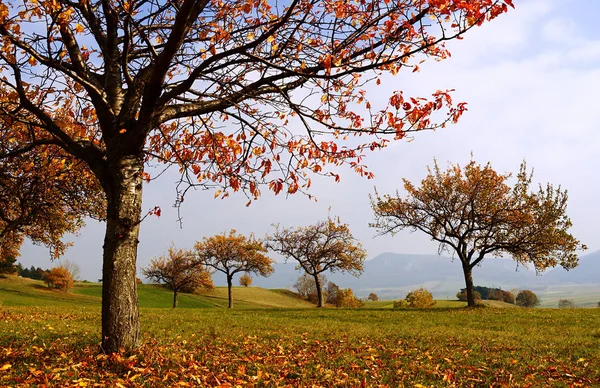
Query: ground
49,338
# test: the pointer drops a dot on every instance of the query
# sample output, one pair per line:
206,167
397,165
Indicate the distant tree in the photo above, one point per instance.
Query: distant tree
59,278
527,298
420,298
373,297
72,267
8,266
233,253
324,246
179,271
475,213
245,280
331,291
346,298
598,304
566,304
508,297
305,285
20,269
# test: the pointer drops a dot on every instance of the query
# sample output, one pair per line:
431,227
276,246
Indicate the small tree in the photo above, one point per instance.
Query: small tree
179,271
373,297
346,298
245,280
72,267
475,213
233,253
508,297
324,246
527,298
420,298
566,304
331,291
59,278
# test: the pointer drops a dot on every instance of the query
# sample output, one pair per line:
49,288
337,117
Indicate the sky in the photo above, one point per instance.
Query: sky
531,79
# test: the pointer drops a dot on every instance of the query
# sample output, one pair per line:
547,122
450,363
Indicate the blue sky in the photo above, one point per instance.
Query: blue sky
531,80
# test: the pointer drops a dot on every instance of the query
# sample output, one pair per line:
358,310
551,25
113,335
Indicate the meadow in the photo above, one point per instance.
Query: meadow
272,339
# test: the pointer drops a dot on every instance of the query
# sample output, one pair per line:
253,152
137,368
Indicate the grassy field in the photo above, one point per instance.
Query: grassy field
51,339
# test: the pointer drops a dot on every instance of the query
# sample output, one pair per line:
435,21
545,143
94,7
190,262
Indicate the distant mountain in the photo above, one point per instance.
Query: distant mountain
391,275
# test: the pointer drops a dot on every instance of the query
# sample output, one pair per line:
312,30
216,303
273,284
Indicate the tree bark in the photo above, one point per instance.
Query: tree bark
120,315
467,270
174,299
229,295
319,291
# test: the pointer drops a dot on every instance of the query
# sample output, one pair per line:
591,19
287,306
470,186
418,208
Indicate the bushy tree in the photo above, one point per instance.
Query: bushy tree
179,271
218,89
346,298
420,298
231,254
475,213
373,297
508,297
59,278
527,298
331,291
324,246
245,280
566,304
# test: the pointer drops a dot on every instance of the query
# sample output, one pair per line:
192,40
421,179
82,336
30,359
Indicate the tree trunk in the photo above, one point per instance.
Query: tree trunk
174,299
229,295
120,315
469,285
319,291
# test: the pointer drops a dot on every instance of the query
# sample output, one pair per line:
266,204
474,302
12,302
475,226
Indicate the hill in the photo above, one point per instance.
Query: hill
17,291
392,275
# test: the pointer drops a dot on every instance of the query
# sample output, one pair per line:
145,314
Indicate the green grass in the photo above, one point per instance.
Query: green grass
56,344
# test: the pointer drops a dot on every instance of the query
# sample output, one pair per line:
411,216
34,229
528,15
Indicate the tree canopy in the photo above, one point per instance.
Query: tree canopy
235,93
231,254
179,271
474,212
325,246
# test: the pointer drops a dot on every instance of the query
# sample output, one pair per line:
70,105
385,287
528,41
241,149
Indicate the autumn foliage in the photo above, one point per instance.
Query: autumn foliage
237,94
420,298
475,213
245,280
179,271
59,278
324,246
233,253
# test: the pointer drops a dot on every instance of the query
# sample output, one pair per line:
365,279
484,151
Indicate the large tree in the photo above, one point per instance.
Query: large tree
179,271
43,195
325,246
235,93
474,212
231,254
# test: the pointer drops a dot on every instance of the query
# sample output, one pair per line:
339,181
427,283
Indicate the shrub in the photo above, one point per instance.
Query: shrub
527,298
400,304
508,297
245,280
566,304
346,298
373,297
59,278
420,298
